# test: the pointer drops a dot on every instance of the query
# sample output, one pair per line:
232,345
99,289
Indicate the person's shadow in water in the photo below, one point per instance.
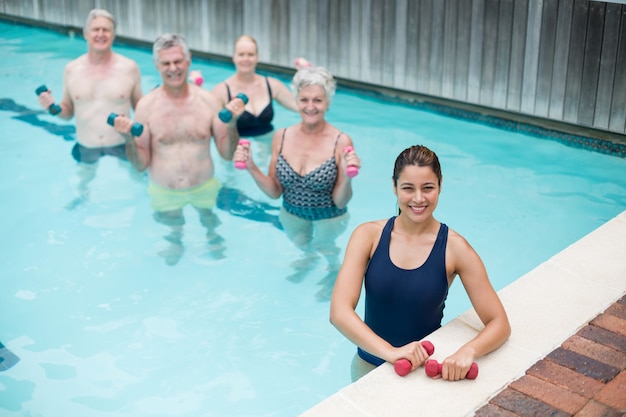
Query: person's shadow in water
238,204
31,116
8,359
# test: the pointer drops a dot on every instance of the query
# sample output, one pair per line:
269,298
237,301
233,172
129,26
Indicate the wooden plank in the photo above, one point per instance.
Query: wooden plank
436,48
575,63
82,9
309,26
297,30
375,37
425,24
531,57
343,33
366,57
412,42
355,62
215,25
488,66
461,70
449,48
561,54
518,43
252,17
545,65
334,35
503,54
606,77
591,63
189,17
617,121
279,32
476,51
400,47
387,63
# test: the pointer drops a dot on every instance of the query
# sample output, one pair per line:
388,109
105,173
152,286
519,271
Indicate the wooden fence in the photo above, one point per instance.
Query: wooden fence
557,60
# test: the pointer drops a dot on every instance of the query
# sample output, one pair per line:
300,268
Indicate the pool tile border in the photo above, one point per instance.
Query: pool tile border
579,141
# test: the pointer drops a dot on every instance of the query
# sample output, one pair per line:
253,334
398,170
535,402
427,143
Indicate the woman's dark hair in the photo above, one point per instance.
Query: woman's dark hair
420,156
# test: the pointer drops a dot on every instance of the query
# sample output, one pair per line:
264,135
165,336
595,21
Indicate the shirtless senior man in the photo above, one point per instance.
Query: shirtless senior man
179,119
94,85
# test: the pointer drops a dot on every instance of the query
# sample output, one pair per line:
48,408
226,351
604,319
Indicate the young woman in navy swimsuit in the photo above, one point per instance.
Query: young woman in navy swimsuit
308,168
407,263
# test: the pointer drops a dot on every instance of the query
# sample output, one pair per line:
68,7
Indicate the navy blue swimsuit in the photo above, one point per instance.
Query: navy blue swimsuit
404,305
249,125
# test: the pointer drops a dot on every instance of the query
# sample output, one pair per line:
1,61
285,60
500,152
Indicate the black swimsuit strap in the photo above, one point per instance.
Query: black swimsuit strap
269,89
282,141
336,142
228,91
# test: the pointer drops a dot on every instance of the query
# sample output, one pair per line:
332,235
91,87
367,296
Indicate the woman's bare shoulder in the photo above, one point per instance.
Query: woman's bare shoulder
371,228
456,239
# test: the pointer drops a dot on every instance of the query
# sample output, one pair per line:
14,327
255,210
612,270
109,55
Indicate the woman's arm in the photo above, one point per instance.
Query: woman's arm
347,292
282,94
269,183
342,193
220,92
467,264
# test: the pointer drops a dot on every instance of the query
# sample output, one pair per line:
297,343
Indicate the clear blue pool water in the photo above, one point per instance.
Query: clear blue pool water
104,328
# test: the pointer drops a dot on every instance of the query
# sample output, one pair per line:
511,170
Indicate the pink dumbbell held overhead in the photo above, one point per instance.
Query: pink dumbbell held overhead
403,366
196,78
433,368
242,164
300,63
351,170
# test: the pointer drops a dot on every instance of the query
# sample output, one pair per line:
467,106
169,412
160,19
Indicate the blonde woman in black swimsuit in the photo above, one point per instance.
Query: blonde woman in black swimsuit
261,91
308,168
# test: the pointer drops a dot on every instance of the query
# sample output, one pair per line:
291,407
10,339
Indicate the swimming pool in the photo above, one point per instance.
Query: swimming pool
103,327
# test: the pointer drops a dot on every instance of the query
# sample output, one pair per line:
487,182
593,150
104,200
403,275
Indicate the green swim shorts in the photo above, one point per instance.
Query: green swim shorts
200,196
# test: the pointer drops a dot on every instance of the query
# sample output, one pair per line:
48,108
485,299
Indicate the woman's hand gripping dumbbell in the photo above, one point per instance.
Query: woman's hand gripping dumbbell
403,366
225,114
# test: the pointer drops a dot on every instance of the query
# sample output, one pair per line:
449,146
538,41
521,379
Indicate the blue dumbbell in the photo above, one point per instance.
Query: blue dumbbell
54,108
225,115
135,130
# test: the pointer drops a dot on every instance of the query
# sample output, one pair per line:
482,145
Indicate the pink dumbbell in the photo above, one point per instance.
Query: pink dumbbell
433,368
300,63
196,77
242,164
403,366
351,170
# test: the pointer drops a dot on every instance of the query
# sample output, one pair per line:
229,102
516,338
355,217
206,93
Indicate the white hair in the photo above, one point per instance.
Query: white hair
314,76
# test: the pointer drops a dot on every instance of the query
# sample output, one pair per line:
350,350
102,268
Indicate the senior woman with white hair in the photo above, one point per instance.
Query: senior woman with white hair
308,168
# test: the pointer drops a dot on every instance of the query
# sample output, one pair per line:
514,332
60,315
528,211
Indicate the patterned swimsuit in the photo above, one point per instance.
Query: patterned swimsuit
310,196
